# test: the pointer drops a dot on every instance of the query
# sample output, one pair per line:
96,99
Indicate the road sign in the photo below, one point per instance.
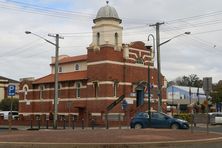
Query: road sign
115,103
207,84
11,90
124,104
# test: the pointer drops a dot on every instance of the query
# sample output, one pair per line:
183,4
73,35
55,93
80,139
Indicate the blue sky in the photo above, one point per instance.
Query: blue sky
199,53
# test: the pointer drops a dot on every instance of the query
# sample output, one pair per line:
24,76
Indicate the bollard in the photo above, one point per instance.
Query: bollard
47,124
82,123
64,123
93,123
73,124
119,118
38,120
31,123
107,121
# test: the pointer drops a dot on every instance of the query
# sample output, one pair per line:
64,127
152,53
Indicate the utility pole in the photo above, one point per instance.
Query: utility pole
157,25
57,37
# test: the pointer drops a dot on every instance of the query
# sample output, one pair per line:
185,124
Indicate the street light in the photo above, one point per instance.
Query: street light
159,66
151,35
185,33
56,72
148,78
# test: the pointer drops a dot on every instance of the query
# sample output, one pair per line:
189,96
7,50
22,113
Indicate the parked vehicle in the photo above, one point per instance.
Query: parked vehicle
158,120
215,117
6,114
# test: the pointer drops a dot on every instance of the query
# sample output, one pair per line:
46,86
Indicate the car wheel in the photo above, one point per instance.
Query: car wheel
175,126
138,126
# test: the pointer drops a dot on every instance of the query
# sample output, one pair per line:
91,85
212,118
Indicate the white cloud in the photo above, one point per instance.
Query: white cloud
25,55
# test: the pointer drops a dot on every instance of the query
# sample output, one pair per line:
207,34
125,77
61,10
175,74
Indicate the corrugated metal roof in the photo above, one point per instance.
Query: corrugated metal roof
186,88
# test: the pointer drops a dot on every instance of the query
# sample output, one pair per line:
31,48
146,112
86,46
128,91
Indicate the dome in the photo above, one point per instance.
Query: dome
107,12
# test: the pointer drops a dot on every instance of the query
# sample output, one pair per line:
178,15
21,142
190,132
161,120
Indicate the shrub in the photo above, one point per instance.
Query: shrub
183,116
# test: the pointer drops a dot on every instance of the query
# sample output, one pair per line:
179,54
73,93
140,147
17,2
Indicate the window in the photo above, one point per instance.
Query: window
41,87
60,69
95,84
98,38
59,85
77,67
116,39
59,89
115,85
25,88
139,60
78,85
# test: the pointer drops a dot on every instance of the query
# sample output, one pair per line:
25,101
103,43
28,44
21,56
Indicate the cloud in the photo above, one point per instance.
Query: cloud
25,55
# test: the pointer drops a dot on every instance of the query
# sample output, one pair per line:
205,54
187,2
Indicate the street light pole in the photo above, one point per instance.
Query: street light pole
56,72
148,78
158,44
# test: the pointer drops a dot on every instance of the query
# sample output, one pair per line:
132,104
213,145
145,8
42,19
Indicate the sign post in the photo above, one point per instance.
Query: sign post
207,87
11,92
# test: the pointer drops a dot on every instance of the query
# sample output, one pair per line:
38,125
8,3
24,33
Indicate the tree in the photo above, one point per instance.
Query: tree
191,80
216,94
5,104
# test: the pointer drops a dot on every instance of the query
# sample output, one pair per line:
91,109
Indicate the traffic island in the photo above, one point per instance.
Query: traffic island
100,138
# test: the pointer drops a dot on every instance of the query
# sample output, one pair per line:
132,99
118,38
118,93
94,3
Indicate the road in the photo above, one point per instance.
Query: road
212,128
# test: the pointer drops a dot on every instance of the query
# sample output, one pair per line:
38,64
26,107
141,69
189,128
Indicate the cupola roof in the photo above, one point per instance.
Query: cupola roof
107,12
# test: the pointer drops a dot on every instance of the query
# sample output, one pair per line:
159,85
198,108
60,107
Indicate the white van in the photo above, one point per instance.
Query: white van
216,117
6,114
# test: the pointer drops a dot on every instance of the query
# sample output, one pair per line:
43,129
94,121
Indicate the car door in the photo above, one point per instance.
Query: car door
159,120
145,119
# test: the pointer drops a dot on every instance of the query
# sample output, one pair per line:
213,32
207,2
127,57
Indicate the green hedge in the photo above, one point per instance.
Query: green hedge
184,116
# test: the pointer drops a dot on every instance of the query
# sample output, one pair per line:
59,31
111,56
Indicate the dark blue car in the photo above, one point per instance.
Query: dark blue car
158,120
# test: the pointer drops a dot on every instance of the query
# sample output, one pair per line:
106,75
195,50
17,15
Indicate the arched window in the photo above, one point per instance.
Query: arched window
78,85
139,60
115,85
60,69
116,39
96,88
98,38
77,66
25,89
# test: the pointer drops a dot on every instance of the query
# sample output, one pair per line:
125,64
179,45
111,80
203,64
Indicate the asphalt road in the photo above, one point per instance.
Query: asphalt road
212,128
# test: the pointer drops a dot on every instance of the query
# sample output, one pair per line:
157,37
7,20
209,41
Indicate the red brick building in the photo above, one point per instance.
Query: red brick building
89,83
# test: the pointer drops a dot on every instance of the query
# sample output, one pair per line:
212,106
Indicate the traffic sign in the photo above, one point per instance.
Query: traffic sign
124,104
11,90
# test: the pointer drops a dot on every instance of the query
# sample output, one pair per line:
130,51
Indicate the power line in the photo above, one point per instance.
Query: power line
196,17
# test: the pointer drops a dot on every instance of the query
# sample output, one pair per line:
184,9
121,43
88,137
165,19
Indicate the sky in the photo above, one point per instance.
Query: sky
199,53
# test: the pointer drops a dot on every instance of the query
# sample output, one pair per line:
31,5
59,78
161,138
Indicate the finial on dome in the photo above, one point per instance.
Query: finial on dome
107,2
